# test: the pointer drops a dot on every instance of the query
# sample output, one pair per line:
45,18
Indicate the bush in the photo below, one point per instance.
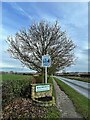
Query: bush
12,89
38,79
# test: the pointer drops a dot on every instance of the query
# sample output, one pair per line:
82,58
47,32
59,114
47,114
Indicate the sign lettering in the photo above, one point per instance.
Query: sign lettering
46,61
41,88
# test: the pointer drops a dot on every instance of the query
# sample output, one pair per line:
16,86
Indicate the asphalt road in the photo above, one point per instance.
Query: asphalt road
81,87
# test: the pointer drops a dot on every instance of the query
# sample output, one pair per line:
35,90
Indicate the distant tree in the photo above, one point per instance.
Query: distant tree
40,39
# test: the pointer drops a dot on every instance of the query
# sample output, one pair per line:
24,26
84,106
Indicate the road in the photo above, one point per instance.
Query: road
81,87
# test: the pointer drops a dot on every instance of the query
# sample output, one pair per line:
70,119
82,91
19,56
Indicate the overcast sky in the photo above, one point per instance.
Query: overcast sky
73,17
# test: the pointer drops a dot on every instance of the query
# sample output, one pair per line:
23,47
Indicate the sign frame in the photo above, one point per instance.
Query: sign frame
42,88
46,60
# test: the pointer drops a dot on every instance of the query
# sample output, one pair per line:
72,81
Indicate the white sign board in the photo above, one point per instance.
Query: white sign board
46,61
41,88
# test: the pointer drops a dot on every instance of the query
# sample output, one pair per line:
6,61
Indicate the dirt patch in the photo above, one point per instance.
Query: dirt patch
22,108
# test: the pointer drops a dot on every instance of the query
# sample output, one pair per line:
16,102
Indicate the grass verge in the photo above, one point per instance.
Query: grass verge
50,80
53,113
80,102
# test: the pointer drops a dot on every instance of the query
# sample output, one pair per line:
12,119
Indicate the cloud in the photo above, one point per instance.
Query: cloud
3,65
82,62
72,16
21,10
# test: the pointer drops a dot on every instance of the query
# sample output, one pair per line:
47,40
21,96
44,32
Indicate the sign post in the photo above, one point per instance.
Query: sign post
40,91
46,62
46,75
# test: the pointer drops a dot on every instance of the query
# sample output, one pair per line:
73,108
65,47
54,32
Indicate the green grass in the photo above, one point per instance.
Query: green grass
0,76
14,77
80,102
52,113
50,80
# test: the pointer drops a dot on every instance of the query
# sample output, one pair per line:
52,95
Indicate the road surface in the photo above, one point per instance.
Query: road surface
81,87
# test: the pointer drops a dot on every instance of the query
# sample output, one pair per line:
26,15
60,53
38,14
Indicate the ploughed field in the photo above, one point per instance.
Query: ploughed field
17,102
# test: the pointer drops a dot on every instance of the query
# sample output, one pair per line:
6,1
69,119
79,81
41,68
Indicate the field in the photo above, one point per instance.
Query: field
17,102
14,77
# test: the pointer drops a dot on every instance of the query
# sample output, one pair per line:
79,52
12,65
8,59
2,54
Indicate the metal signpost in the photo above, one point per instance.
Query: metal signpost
43,90
46,62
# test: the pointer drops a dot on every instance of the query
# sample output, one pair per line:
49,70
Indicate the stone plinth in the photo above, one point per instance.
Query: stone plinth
42,91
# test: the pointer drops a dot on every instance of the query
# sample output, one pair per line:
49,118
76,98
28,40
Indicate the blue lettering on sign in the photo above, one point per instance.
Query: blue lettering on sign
46,61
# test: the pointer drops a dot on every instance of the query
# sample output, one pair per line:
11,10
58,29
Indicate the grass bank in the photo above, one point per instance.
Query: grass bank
53,113
80,102
50,80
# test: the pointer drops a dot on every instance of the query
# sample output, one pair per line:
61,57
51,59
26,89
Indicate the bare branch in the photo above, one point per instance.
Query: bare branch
40,39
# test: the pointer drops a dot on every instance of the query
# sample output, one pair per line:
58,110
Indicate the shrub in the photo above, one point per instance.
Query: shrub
38,79
12,89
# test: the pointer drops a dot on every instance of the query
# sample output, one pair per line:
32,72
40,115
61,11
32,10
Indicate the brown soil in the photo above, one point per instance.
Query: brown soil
21,108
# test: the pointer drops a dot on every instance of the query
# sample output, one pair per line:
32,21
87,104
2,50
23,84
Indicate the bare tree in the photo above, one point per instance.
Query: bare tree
40,39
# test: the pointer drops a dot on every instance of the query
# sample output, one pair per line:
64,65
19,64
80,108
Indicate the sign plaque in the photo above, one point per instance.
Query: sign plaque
46,61
42,88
